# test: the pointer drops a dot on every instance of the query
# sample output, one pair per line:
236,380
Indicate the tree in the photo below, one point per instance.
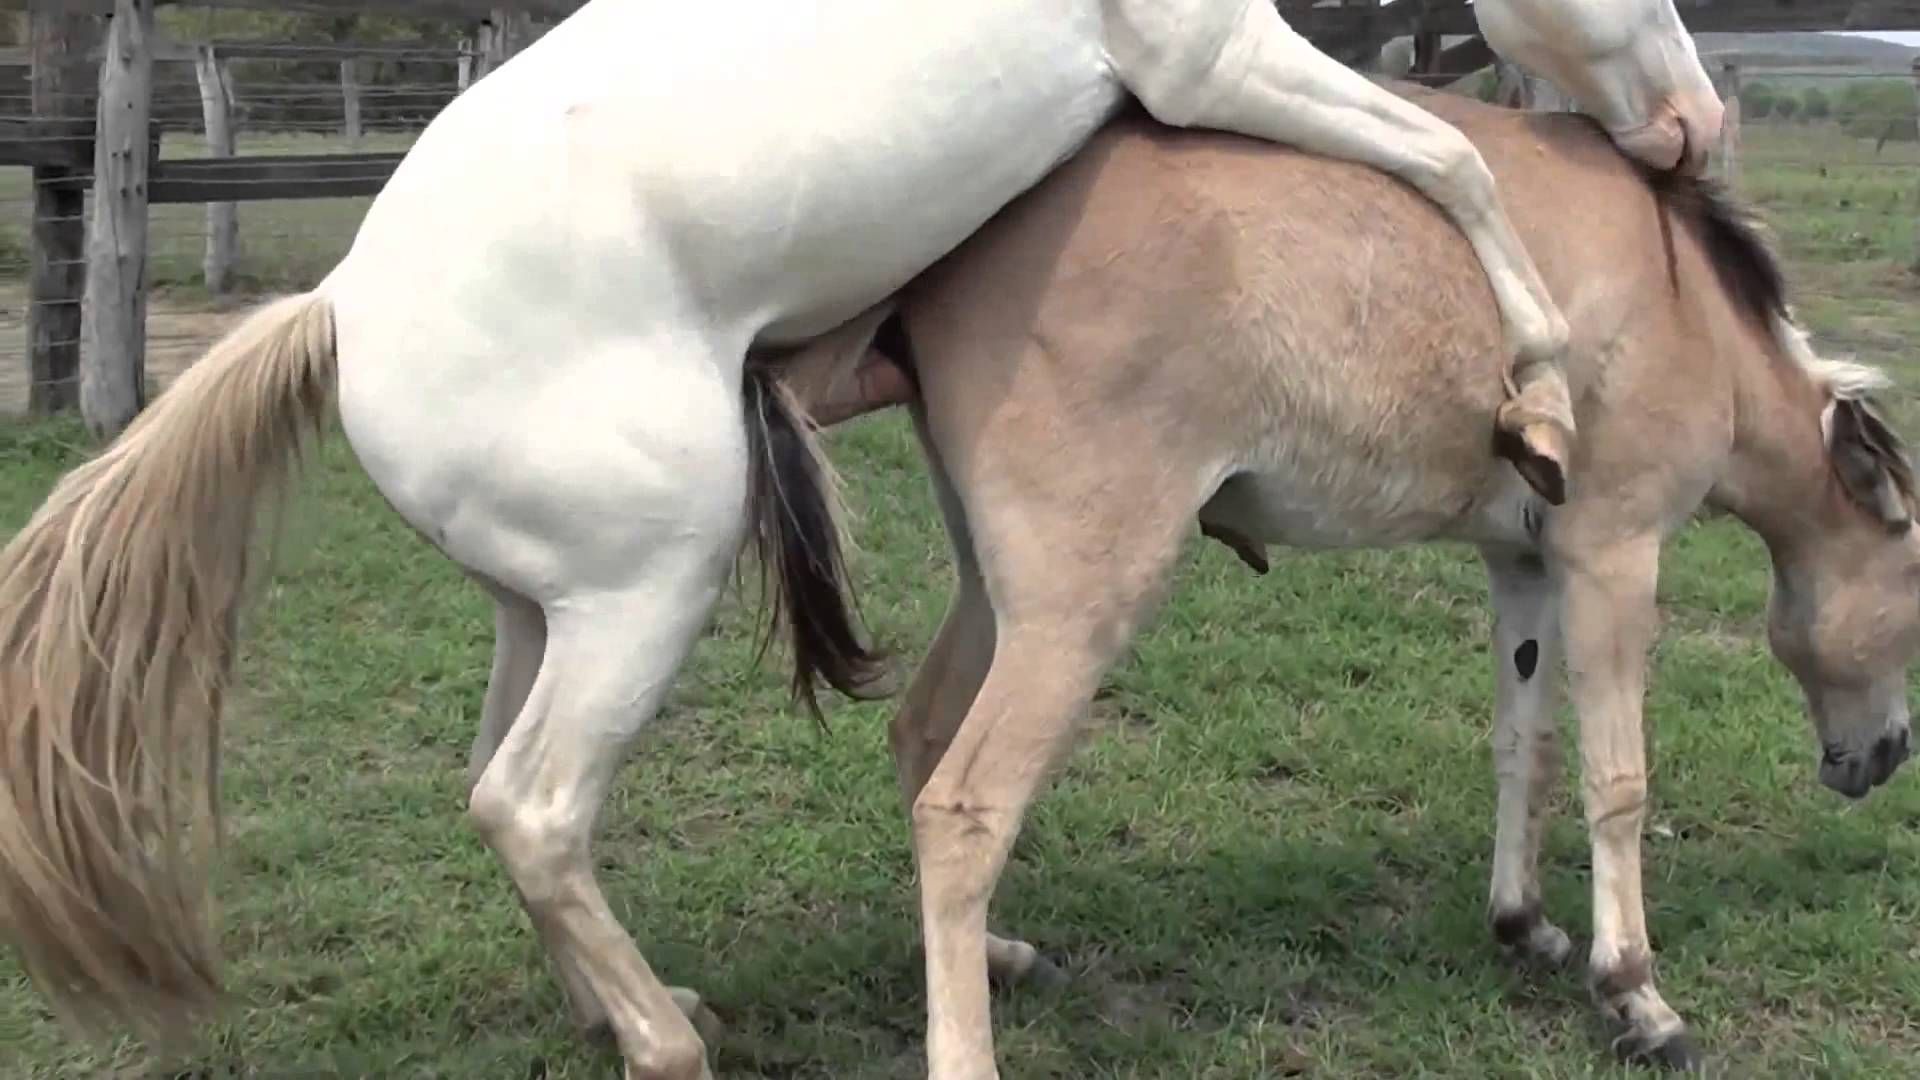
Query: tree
1814,104
1785,106
1879,109
1756,99
1488,86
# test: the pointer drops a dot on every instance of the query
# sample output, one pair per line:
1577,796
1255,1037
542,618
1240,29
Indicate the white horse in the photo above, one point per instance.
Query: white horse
540,343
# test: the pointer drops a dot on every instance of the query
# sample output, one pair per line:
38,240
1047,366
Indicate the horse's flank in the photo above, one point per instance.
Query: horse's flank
1301,351
1389,378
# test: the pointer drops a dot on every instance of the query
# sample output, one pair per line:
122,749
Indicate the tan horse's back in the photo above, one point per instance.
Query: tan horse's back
1162,271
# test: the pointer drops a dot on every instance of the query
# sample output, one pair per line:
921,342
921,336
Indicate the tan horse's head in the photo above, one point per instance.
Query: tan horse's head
1629,63
1845,611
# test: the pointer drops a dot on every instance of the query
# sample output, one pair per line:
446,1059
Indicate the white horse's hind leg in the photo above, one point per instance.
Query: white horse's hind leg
625,527
609,662
519,641
1269,82
1526,748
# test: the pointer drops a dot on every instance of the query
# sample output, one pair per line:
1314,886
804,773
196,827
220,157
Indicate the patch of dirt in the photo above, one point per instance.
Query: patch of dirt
179,330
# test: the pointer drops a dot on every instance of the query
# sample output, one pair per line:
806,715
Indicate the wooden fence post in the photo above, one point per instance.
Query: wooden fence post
512,31
58,41
223,218
350,97
1511,85
113,353
1914,73
502,33
1729,148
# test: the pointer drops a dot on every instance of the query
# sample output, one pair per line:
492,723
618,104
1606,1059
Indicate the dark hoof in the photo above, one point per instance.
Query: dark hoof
1530,942
707,1024
1676,1053
1539,961
1046,975
598,1033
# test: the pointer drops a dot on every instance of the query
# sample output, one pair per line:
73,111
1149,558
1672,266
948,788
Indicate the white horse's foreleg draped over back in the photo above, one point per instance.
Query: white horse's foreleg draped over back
1235,65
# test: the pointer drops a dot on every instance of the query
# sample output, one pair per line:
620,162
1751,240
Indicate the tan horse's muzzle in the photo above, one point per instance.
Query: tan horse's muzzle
1680,137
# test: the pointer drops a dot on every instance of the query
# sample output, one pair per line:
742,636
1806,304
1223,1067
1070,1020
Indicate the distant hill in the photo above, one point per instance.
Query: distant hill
1807,50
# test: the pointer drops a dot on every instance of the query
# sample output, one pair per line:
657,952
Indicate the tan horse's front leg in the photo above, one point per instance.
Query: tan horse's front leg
1235,65
1609,623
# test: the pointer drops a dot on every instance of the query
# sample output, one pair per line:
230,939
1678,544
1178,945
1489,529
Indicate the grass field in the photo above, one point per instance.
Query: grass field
1268,858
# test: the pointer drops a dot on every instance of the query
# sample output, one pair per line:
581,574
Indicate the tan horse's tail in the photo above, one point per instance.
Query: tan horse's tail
119,603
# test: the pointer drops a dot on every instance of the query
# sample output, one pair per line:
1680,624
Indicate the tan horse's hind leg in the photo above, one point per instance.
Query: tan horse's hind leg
942,691
1528,658
1072,570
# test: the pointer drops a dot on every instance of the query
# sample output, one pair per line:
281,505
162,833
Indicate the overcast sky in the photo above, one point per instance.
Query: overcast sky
1904,37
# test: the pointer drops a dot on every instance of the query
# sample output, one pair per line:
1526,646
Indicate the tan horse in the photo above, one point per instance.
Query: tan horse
1301,352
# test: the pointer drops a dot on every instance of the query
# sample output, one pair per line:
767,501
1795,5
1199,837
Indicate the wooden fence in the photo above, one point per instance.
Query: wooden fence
92,130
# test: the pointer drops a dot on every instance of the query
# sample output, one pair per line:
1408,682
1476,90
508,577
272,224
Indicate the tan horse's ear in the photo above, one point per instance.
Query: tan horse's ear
1870,463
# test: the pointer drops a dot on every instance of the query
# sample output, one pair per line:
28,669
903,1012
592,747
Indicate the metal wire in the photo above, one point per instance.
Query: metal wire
1827,187
289,101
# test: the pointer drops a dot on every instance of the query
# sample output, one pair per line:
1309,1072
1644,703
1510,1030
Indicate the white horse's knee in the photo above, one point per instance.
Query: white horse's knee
1458,177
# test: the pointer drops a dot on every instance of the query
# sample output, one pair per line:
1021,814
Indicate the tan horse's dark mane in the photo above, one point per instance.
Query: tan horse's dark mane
1733,238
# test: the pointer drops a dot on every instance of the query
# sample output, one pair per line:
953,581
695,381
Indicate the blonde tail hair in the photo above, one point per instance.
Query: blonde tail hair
119,603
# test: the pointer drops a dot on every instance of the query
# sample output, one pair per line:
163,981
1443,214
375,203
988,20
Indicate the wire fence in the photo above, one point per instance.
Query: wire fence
1833,160
1831,157
279,105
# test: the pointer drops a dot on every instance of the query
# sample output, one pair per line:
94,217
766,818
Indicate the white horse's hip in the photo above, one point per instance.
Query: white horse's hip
543,318
554,468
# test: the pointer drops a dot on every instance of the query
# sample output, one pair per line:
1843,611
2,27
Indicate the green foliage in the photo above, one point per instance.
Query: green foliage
14,252
200,24
1487,86
1814,104
1880,109
1757,98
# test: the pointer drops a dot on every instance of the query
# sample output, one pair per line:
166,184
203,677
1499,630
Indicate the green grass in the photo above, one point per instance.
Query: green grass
1268,858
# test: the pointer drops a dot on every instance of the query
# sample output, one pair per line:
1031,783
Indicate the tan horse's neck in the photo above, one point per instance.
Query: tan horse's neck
1779,479
1778,471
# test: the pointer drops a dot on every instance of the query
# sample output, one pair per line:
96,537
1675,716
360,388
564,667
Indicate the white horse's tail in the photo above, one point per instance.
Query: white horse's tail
119,604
